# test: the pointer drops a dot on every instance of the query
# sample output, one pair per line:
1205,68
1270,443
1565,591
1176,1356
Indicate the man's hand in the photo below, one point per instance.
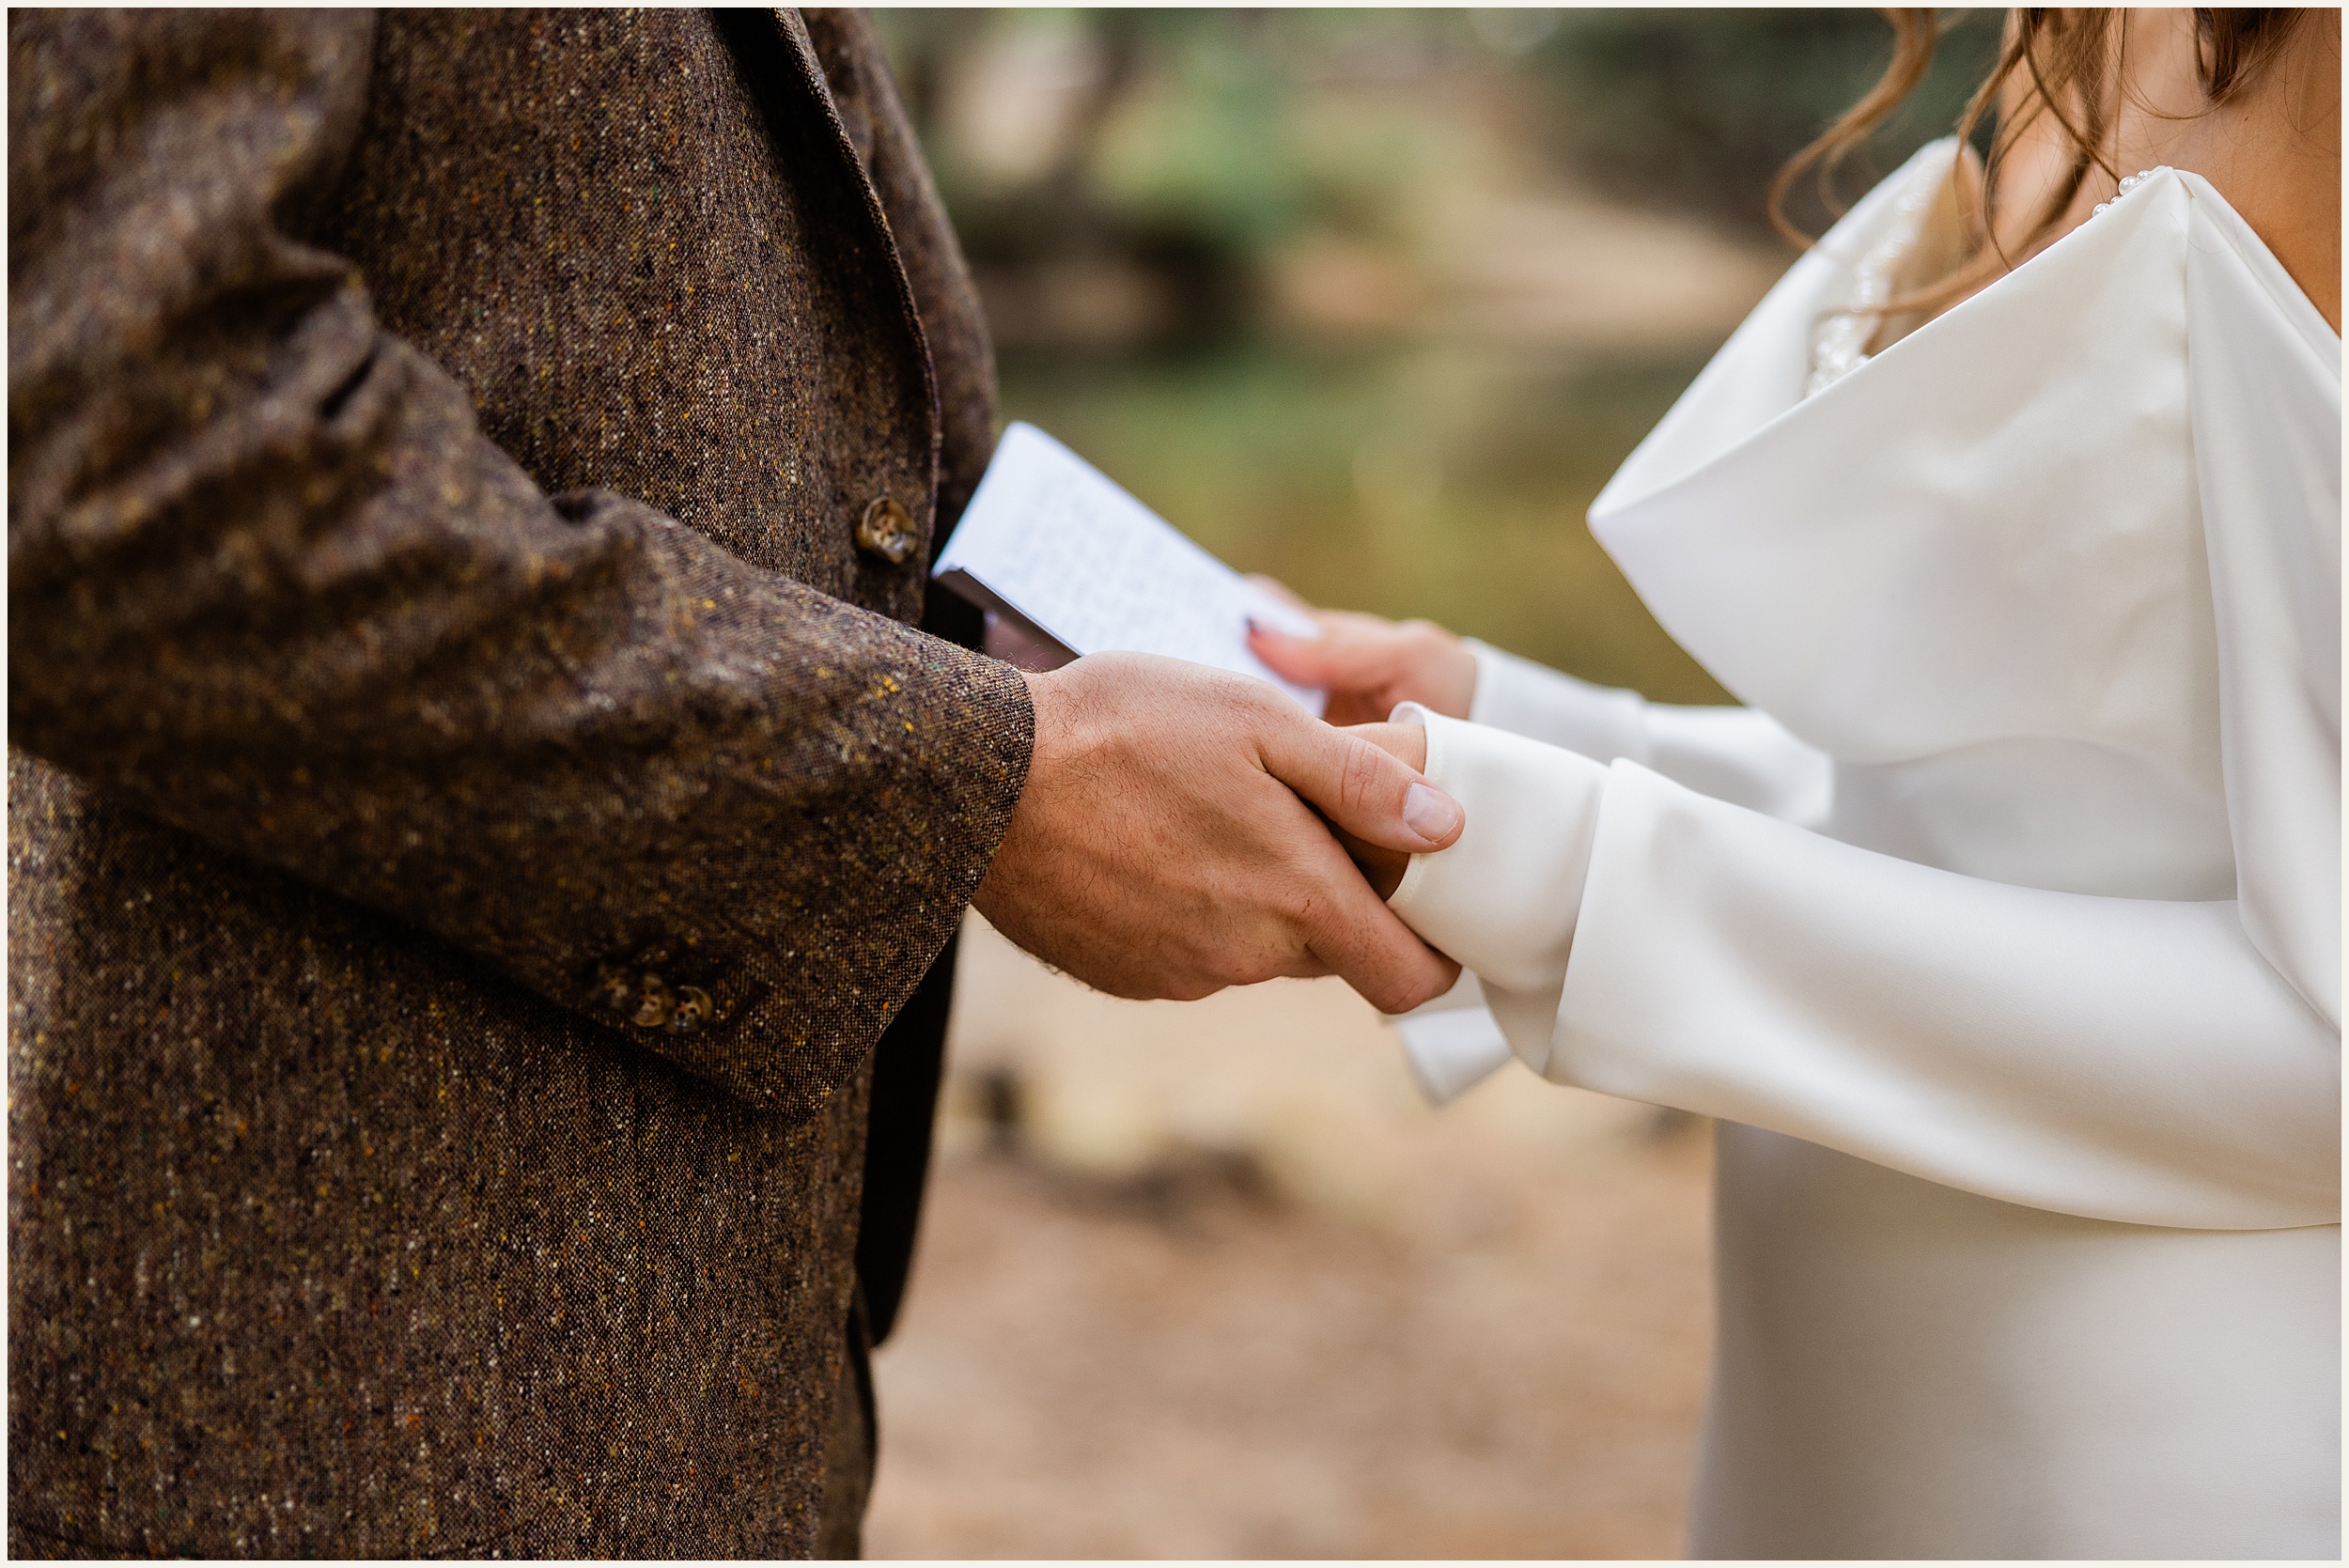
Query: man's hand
1368,665
1384,867
1161,847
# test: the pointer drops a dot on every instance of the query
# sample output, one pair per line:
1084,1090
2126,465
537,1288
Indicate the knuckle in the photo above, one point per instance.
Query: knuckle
1239,694
1361,775
1233,969
1299,908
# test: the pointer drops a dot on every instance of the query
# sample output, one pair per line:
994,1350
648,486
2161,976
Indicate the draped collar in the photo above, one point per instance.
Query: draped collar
2095,503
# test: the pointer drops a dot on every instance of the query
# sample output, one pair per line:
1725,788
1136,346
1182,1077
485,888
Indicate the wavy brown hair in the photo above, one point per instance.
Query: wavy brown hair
2068,62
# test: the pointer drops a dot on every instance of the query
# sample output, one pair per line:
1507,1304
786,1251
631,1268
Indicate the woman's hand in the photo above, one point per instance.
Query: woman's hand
1368,665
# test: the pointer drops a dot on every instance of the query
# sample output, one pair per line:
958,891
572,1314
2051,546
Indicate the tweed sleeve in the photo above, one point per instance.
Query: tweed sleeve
267,582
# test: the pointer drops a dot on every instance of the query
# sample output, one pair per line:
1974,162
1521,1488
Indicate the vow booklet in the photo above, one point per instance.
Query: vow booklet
1054,546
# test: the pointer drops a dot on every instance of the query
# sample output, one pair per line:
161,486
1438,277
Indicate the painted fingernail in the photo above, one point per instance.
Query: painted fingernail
1429,812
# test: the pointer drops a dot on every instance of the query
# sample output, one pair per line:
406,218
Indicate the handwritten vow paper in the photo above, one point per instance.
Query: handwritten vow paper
1051,541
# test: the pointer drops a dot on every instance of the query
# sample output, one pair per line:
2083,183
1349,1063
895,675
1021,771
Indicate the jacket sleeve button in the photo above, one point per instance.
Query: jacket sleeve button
886,530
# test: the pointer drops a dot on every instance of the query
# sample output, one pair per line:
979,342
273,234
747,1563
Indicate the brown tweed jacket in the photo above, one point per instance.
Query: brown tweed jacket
474,804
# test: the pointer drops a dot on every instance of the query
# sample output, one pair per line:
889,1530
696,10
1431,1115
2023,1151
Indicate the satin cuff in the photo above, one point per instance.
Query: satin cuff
1502,899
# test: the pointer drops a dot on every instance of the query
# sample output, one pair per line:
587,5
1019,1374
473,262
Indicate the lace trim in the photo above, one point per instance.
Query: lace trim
1842,345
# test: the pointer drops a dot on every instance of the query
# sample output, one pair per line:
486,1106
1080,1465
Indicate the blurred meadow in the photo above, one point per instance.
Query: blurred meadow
1373,301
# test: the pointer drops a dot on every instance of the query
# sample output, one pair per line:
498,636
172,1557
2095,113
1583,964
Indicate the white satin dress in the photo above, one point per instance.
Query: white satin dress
2001,929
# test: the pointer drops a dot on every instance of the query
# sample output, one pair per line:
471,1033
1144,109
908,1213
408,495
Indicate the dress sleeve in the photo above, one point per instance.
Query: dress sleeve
269,582
2120,1059
1739,755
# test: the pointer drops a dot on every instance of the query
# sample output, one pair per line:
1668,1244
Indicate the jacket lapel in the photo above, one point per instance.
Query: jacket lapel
807,76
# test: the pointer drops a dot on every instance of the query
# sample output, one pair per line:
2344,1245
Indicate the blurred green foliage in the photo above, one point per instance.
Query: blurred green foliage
1183,151
1177,150
1210,154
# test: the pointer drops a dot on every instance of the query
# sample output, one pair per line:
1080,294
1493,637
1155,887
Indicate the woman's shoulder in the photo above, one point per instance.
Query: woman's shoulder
2238,259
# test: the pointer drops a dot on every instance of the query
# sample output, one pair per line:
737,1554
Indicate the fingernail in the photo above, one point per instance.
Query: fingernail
1429,812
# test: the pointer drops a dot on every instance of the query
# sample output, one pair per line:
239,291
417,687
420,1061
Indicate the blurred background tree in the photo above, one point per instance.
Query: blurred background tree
1697,109
1376,300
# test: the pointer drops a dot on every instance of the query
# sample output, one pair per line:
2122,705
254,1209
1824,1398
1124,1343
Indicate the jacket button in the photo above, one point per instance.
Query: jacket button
886,530
694,1009
653,1003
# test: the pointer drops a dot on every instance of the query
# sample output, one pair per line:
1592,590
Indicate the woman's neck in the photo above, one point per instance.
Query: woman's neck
2272,150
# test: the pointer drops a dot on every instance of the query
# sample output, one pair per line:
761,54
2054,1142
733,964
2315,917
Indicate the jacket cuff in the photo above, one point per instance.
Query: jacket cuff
1534,701
1504,899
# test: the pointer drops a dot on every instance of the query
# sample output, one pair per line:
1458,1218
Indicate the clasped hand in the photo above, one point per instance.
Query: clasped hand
1167,842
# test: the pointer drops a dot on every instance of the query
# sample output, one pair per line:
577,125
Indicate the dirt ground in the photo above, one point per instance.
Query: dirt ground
1210,1280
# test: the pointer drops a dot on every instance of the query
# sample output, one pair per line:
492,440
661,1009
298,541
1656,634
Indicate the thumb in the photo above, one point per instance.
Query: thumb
1362,788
